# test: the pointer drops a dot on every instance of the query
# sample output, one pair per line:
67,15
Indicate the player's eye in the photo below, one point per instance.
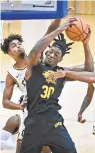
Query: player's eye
13,45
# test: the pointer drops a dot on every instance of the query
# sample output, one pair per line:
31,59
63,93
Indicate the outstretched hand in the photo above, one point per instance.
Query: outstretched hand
68,23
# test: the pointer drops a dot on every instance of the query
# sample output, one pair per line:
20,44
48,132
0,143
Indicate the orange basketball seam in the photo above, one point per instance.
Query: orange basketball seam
75,32
77,29
78,35
83,32
82,28
72,32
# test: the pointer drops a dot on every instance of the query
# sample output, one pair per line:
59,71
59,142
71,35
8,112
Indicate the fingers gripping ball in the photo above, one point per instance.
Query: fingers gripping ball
78,31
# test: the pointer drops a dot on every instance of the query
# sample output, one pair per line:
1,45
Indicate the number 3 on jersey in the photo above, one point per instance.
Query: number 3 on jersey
47,91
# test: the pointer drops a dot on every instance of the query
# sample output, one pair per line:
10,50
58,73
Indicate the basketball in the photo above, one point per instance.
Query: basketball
78,31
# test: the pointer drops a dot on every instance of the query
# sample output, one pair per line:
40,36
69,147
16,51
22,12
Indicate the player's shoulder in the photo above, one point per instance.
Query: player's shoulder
12,69
37,66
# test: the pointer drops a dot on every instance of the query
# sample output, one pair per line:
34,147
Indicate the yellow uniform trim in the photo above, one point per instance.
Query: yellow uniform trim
58,124
19,139
14,79
19,68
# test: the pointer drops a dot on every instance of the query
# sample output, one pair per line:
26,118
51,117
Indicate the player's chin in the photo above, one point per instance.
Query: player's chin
22,55
48,63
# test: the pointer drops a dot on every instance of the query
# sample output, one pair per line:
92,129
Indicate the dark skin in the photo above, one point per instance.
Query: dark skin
36,52
12,125
59,58
43,43
87,77
15,48
53,57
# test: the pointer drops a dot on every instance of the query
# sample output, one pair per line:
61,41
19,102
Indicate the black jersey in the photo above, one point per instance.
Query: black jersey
42,93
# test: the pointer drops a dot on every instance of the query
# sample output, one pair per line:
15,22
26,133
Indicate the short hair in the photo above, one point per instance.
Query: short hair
5,44
61,44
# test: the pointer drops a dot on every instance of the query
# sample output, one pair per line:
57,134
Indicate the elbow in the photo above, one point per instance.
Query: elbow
89,69
90,96
92,69
4,103
92,80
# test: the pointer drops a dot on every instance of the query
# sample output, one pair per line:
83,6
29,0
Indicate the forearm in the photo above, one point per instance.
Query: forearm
88,98
43,43
87,77
85,104
53,26
10,105
89,66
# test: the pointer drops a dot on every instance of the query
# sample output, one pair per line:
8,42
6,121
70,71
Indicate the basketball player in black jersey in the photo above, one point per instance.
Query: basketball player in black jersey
18,54
44,125
47,92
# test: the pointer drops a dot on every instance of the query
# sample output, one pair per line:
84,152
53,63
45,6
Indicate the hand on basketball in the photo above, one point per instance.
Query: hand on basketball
80,119
86,41
68,23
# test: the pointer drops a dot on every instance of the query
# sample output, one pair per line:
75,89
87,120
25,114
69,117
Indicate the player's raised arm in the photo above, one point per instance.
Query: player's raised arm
56,23
43,43
84,76
88,65
86,102
53,26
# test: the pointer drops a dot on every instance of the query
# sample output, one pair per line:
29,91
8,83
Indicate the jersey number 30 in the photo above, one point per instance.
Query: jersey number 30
47,91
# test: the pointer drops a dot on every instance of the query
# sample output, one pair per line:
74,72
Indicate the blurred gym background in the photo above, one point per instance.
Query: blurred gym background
33,30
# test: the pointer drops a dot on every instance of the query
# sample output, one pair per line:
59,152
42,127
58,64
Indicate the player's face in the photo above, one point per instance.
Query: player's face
53,56
16,49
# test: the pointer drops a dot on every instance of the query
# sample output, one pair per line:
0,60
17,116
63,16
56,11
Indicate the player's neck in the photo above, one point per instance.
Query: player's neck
50,66
20,63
